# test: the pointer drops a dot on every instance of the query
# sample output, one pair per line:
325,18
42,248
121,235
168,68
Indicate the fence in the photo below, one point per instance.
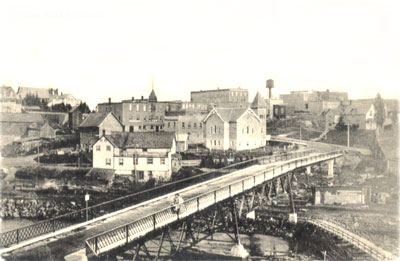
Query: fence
51,225
129,232
361,243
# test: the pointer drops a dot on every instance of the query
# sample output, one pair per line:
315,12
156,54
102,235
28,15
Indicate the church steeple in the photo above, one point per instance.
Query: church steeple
153,96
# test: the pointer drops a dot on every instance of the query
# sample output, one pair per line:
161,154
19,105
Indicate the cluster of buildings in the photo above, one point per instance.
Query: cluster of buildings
11,101
140,136
335,105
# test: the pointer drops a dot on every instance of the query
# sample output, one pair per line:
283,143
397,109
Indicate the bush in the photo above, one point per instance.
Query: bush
40,172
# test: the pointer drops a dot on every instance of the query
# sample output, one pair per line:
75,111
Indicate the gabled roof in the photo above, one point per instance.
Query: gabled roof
7,92
95,119
74,108
152,97
141,139
392,105
258,102
359,106
20,117
229,114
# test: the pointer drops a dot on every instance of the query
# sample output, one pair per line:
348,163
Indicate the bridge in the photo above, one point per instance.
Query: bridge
159,214
100,227
364,245
320,145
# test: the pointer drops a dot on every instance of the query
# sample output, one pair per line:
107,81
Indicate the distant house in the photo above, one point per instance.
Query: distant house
361,113
233,128
144,155
75,118
65,98
9,101
341,195
17,124
186,124
42,93
96,125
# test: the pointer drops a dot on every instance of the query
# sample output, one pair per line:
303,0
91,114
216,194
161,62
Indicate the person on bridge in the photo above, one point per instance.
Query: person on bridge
177,203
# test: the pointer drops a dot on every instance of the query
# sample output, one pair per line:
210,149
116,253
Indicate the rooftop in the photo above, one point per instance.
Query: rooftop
142,139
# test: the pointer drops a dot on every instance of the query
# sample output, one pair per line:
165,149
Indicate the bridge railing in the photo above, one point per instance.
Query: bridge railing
127,233
51,225
359,242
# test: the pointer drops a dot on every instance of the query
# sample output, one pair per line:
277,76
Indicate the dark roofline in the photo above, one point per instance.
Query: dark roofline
216,90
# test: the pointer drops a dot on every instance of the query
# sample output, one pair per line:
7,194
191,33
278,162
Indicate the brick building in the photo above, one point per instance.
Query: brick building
228,98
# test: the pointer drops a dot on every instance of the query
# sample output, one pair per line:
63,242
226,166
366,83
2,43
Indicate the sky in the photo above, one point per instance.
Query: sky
121,48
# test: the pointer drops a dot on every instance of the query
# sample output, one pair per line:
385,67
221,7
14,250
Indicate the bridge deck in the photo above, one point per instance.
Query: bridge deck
66,243
74,240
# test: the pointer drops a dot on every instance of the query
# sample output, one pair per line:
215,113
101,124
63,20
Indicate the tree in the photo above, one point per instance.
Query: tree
83,108
32,100
341,125
379,110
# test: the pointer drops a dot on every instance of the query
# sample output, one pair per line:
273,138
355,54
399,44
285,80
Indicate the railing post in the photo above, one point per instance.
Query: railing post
215,196
198,203
95,245
54,225
230,191
127,234
17,236
242,185
154,221
254,180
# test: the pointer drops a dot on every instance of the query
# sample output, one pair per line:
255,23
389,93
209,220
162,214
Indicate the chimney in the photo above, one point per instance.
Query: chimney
109,100
133,98
142,98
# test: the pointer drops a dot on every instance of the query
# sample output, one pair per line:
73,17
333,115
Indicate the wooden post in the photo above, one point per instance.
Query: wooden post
160,246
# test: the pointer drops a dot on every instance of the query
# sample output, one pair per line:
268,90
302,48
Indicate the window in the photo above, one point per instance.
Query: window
215,129
149,160
150,174
215,142
108,162
145,118
174,125
130,107
183,125
219,143
140,127
144,127
306,105
121,161
137,107
248,130
130,128
169,124
141,175
108,148
276,110
201,125
98,147
195,125
151,127
104,132
162,161
131,118
282,110
189,125
144,107
138,118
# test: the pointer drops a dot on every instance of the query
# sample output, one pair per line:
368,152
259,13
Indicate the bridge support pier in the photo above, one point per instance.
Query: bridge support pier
330,168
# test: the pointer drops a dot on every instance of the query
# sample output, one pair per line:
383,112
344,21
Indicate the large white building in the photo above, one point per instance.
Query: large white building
234,128
144,155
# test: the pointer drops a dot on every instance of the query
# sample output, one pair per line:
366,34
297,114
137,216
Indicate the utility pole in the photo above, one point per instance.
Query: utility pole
348,135
300,131
38,151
